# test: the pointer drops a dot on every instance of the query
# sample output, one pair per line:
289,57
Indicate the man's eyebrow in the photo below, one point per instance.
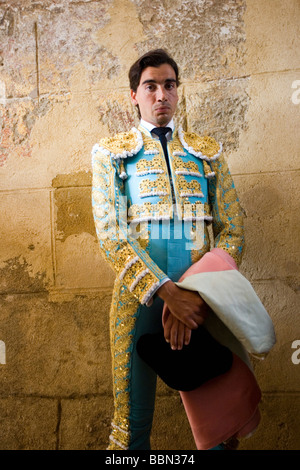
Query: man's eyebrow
151,80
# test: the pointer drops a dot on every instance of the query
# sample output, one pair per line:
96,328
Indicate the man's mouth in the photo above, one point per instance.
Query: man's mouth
163,109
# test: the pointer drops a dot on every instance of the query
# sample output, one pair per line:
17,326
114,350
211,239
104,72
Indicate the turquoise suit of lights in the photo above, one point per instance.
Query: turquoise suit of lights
151,227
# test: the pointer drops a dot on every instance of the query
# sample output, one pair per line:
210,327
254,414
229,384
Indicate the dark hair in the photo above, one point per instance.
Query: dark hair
153,58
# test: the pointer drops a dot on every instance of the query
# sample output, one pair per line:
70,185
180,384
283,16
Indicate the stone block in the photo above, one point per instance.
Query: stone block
48,138
277,372
279,428
117,41
271,225
268,141
205,38
73,212
16,122
272,31
116,112
68,37
171,430
25,257
218,109
18,65
43,41
85,423
55,349
79,262
28,423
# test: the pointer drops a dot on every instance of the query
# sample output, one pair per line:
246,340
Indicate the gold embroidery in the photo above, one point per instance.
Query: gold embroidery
195,210
117,250
99,198
100,181
208,146
144,166
160,210
144,283
125,141
133,271
207,169
197,254
188,188
125,254
150,146
182,167
155,187
123,316
228,220
175,144
99,165
144,231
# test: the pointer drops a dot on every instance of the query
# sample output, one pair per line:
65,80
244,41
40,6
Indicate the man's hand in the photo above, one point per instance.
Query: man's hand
175,332
186,306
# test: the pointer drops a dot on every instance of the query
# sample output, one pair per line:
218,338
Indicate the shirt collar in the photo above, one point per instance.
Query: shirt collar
149,127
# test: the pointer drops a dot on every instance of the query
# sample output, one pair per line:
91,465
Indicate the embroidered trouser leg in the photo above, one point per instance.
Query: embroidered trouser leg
134,381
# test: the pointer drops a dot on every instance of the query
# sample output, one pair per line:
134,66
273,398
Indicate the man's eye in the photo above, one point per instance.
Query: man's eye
169,86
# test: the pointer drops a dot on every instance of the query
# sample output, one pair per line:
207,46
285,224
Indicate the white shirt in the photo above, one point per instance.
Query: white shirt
150,127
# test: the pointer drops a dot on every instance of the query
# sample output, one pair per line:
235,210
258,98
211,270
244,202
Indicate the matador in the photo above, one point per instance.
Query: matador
162,199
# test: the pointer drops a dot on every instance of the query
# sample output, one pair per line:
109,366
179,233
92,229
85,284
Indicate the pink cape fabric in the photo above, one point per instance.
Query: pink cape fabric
226,406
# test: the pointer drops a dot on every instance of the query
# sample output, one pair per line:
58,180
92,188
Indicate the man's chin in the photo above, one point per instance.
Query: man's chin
163,119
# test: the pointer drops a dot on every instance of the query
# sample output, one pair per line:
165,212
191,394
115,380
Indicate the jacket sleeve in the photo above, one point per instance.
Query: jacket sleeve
123,251
228,229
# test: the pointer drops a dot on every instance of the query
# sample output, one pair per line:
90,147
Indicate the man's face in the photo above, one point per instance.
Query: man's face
156,95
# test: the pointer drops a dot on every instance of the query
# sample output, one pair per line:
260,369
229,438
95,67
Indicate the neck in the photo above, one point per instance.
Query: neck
149,126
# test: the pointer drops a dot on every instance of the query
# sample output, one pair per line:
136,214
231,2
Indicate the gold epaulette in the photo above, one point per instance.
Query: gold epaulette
206,148
123,145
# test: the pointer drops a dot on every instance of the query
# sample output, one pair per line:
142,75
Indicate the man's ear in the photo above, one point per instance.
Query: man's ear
133,97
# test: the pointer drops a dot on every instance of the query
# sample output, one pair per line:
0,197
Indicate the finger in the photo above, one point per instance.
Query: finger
187,335
174,334
190,320
165,314
180,335
200,319
167,328
202,315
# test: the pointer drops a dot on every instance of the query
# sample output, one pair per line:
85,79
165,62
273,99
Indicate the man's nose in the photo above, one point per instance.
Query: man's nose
161,94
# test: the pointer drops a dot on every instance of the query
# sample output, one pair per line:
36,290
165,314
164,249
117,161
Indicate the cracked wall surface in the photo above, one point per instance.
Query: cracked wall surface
64,85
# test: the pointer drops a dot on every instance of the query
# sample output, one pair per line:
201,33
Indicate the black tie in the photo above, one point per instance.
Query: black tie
161,133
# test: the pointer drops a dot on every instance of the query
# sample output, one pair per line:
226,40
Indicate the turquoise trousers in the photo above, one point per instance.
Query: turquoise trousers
170,249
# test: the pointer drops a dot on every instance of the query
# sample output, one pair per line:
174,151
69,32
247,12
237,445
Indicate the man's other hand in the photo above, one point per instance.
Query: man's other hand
175,332
185,305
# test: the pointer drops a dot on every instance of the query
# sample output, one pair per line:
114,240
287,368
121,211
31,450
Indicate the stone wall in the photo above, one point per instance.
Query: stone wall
63,85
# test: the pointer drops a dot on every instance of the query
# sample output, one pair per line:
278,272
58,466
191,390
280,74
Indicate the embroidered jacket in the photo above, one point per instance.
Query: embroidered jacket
131,184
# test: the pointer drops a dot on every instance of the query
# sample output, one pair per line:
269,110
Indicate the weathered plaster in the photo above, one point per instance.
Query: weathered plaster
211,31
25,257
63,86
